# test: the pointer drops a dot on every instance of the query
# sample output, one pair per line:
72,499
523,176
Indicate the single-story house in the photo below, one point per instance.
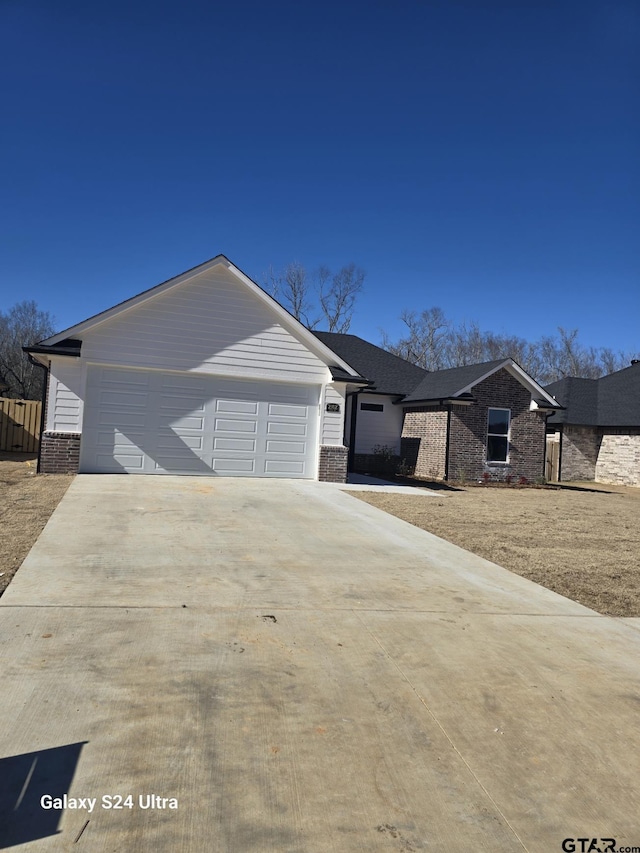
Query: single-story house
457,424
207,374
599,427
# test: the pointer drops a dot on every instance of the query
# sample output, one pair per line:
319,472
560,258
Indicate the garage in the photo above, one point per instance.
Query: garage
152,422
203,374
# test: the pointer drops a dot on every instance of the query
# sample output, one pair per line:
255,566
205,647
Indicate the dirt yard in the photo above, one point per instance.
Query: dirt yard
26,502
581,542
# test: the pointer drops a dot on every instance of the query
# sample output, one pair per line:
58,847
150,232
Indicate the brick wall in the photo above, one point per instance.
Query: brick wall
59,453
619,457
580,445
424,441
468,433
333,464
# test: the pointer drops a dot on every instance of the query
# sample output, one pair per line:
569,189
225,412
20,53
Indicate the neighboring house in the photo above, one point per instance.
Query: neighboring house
454,424
207,374
599,427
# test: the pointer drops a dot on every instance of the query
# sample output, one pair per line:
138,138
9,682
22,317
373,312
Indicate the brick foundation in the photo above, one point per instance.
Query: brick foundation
333,464
59,453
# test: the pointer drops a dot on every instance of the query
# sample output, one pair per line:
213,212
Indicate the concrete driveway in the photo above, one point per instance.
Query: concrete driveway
293,670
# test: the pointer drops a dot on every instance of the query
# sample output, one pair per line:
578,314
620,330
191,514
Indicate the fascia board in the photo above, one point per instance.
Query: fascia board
515,370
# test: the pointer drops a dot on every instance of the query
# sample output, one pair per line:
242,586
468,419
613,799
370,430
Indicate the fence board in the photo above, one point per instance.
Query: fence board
552,460
19,425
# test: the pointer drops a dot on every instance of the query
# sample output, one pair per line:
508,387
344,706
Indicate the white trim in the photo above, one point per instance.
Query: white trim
498,435
287,320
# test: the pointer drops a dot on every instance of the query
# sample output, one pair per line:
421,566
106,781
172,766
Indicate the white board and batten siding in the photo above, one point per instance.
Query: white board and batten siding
208,324
154,422
378,428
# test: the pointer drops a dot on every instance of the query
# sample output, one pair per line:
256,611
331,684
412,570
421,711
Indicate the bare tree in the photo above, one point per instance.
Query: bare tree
325,299
292,289
20,326
426,341
337,294
433,342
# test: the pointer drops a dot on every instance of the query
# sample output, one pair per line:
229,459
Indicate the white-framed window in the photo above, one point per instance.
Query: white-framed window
498,426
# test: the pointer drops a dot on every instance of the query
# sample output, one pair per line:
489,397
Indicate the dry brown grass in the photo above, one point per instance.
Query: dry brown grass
584,544
26,503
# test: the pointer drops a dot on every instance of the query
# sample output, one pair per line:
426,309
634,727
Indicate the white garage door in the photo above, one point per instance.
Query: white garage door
147,422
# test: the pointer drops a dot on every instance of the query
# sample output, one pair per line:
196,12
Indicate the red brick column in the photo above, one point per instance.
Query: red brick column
59,453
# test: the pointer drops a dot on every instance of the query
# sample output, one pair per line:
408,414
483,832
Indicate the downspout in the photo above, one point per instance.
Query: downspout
43,409
446,447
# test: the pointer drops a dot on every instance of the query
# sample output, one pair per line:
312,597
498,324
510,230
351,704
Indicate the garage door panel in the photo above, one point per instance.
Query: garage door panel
231,467
177,423
246,445
192,442
120,459
225,425
115,398
148,422
285,446
124,378
181,404
286,429
279,410
239,407
284,468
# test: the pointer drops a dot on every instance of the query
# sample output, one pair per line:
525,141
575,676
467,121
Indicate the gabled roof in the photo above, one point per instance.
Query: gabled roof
332,359
442,384
613,400
458,382
388,373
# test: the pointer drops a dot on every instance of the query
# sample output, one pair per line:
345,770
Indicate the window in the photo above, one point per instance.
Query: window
498,435
371,407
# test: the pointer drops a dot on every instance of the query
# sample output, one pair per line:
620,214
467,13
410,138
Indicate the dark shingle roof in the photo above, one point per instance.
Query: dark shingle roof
613,400
579,398
389,373
442,384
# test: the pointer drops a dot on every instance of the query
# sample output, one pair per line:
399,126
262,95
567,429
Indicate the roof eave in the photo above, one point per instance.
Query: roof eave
440,401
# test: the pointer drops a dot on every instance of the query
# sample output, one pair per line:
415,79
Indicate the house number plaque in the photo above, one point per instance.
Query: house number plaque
333,407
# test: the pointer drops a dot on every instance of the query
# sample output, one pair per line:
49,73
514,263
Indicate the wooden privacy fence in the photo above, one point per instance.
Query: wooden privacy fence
19,425
552,460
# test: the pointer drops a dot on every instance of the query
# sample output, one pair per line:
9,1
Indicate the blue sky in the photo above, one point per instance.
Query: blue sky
478,155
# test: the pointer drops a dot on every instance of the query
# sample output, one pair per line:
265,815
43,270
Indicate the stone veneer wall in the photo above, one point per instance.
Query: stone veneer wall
424,441
579,453
333,464
468,432
619,457
59,453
